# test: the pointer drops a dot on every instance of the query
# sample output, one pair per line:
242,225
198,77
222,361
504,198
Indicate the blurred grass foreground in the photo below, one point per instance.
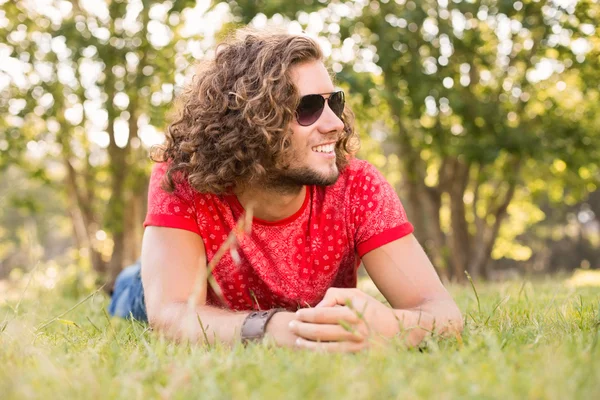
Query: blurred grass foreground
522,339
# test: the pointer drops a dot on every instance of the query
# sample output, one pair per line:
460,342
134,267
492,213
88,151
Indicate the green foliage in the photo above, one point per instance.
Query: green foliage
245,10
87,88
503,90
500,89
33,223
531,339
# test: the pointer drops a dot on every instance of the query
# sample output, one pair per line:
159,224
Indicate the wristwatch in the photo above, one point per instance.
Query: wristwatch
255,324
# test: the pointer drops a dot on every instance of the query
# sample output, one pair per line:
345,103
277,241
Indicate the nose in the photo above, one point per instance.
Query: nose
329,121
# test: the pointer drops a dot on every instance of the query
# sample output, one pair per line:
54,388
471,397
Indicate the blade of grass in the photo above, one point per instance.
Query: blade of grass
474,290
70,309
94,325
495,308
68,322
16,309
243,227
203,331
522,290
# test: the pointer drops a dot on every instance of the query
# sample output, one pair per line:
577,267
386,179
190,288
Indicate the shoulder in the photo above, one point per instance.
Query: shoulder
358,180
182,189
183,207
365,187
358,167
359,173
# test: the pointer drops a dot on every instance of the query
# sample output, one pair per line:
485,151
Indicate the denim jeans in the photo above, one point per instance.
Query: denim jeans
128,296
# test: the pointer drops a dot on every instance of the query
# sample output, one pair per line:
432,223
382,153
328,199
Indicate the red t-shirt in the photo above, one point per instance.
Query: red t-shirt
292,262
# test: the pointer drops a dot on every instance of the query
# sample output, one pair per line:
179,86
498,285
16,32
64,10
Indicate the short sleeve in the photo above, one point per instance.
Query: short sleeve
378,216
170,210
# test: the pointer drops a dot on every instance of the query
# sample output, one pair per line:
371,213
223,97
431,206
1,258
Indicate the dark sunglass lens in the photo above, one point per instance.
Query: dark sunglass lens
310,109
336,103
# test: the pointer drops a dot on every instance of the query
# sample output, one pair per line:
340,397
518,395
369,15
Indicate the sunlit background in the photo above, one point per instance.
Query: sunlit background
482,114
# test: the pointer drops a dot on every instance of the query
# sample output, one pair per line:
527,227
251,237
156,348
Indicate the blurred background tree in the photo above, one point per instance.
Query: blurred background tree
87,89
481,113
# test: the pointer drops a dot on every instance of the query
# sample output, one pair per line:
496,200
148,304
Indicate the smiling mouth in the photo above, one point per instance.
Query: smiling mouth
324,148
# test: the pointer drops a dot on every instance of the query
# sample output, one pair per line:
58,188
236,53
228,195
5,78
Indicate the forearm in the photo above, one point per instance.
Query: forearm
198,325
206,323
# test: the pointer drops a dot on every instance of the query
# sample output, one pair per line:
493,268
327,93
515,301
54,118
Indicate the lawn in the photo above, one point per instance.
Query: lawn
534,339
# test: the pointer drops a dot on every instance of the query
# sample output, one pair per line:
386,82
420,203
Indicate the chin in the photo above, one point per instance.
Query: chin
326,179
312,176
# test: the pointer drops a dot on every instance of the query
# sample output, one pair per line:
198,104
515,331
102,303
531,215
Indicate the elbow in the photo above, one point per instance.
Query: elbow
445,320
155,322
173,321
453,321
160,319
447,317
456,322
164,316
154,312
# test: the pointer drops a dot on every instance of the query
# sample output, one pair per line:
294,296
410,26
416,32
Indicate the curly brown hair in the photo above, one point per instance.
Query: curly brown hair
232,123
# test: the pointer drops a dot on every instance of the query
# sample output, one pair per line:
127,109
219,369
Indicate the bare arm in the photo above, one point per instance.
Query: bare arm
172,260
403,273
406,278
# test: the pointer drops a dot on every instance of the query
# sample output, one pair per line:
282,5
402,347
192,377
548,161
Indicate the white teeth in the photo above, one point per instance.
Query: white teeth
326,148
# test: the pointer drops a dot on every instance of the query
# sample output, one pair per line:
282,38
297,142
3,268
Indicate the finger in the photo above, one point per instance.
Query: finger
335,296
332,347
326,332
327,315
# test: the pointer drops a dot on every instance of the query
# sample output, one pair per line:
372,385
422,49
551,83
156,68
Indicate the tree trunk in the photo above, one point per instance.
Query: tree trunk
423,204
82,218
459,238
483,252
134,218
129,232
436,244
594,203
116,212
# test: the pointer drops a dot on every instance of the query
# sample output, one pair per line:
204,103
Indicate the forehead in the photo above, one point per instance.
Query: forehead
311,77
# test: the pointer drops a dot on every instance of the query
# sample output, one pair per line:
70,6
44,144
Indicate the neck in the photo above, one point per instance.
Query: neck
272,205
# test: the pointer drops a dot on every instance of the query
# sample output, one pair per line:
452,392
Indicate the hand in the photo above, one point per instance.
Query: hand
346,320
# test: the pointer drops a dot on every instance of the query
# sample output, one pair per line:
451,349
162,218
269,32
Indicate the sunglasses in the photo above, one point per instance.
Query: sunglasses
312,105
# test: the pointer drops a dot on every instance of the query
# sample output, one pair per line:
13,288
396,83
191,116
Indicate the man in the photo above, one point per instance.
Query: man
263,126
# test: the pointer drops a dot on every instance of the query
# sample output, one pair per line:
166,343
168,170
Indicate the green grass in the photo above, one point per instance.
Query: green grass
535,340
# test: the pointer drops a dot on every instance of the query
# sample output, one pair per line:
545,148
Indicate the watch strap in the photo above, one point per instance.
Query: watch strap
255,324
